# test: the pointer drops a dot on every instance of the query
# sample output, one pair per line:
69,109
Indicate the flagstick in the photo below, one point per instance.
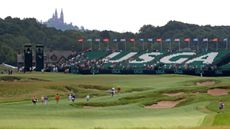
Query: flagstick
161,46
151,46
226,45
170,47
92,45
82,46
179,45
134,46
143,46
99,46
207,45
197,46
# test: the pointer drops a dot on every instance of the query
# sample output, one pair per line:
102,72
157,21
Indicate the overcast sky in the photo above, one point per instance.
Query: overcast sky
121,15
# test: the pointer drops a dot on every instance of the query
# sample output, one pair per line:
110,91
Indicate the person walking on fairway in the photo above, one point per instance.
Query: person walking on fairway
73,98
57,98
34,100
46,100
221,105
113,91
87,98
42,99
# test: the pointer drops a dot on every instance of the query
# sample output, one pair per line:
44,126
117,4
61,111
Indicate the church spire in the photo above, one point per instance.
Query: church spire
56,14
62,16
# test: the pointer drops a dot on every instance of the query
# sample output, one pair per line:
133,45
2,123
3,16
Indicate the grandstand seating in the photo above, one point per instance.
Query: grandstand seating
157,61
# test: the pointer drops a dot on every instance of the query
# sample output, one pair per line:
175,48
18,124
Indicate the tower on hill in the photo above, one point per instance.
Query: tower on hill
62,17
58,22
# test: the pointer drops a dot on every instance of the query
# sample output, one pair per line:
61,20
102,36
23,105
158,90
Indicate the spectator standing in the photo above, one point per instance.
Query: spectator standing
221,105
34,100
73,98
57,98
46,100
87,98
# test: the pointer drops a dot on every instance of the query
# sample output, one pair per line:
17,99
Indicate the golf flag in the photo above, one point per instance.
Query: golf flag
150,40
215,40
205,39
106,40
142,40
132,40
159,40
195,40
123,40
115,40
225,39
80,40
97,40
89,40
177,40
168,40
187,40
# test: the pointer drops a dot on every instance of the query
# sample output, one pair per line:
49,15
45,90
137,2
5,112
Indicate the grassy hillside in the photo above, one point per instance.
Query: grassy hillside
125,110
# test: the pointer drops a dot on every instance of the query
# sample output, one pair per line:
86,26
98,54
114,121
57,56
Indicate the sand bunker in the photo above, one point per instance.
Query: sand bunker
165,104
174,94
218,92
206,83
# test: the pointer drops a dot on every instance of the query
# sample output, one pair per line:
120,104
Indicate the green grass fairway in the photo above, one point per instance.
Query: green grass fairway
125,110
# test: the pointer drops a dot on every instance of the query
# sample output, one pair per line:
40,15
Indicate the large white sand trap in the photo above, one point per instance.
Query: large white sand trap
165,104
206,83
174,94
218,92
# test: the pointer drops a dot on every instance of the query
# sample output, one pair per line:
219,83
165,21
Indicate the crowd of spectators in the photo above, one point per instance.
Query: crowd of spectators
81,61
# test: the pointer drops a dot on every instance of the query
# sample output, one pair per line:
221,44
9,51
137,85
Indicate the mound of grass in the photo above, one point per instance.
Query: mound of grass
37,79
97,87
137,89
82,91
10,78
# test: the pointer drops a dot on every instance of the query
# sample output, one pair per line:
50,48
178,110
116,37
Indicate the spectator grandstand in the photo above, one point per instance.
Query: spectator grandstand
145,62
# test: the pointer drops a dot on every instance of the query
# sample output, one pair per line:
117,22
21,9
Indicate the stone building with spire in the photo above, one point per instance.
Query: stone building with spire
59,23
